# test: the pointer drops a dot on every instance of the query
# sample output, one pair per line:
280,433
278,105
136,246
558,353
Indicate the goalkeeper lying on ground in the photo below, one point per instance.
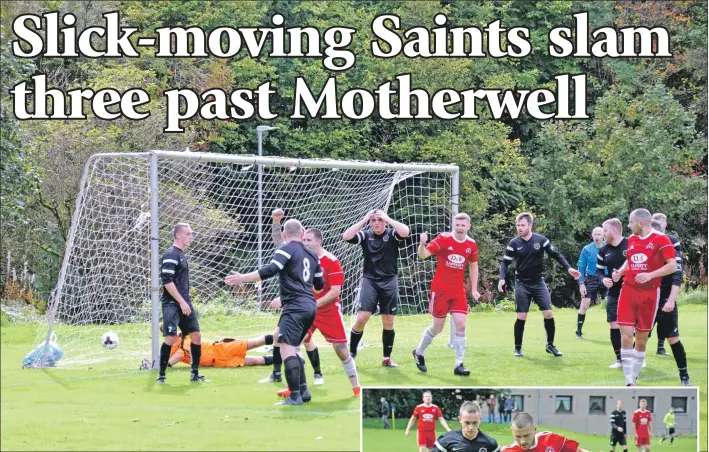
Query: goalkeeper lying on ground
226,352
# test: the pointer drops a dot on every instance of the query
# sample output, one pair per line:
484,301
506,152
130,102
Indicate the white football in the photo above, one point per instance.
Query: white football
110,339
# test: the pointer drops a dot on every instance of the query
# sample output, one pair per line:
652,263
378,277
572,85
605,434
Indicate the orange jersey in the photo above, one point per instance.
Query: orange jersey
222,353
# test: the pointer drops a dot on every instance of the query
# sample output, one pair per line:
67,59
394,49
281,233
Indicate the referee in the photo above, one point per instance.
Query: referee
589,284
618,427
528,249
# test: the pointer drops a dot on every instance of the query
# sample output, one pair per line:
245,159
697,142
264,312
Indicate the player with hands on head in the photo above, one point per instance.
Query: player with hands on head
453,251
380,285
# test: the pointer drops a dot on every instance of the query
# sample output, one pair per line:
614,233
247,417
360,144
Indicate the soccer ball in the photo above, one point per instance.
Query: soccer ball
110,340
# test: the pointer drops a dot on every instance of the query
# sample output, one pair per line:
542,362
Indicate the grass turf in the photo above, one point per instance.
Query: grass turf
116,407
376,439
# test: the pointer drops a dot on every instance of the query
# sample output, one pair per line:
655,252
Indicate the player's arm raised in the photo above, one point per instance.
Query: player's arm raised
553,252
423,251
276,232
352,232
400,228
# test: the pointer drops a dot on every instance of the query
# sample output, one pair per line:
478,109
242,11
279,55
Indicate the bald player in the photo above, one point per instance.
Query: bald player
299,271
526,438
589,284
650,256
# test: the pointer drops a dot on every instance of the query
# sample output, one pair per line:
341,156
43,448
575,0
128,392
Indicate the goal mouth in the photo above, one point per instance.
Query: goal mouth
128,203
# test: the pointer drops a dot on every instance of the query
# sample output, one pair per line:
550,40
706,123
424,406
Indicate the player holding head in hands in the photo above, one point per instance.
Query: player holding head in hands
589,283
528,249
650,256
526,437
618,427
468,438
177,309
299,271
453,250
642,420
667,318
426,413
329,312
380,284
611,257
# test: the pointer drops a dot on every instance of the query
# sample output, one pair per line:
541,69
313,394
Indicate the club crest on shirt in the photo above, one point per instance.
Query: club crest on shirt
468,251
625,253
549,449
482,449
650,246
536,246
386,238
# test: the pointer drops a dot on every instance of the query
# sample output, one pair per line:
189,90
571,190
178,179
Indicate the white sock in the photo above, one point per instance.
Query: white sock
459,345
638,364
451,338
351,371
426,339
627,356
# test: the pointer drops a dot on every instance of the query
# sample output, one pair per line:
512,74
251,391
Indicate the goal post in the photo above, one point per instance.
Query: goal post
128,202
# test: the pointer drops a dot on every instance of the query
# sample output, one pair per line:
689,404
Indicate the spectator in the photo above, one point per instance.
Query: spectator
385,413
509,408
491,402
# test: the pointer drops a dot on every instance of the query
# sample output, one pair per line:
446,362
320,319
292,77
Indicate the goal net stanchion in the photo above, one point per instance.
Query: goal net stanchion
128,203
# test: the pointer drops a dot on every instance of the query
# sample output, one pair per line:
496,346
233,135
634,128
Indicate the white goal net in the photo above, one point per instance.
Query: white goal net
107,282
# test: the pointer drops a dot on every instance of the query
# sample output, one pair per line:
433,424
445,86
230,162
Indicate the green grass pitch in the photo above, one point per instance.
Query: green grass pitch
117,407
376,439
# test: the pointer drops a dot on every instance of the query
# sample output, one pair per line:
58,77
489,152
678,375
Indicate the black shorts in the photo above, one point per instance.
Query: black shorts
612,308
594,287
617,438
525,292
172,318
295,321
667,322
384,294
670,431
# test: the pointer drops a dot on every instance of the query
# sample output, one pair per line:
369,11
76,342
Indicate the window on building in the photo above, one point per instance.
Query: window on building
679,404
650,403
519,402
563,404
597,405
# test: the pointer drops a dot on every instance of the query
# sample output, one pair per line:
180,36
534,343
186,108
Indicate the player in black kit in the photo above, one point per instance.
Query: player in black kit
298,269
469,438
380,284
528,249
611,257
618,429
667,318
177,309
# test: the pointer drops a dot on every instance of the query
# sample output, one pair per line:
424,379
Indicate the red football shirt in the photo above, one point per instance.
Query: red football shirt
641,421
451,257
333,276
545,442
427,417
647,255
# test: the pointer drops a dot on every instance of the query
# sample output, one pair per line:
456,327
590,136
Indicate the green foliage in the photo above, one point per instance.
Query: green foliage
448,400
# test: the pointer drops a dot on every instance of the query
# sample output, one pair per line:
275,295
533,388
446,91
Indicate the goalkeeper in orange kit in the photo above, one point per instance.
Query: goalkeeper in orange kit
226,352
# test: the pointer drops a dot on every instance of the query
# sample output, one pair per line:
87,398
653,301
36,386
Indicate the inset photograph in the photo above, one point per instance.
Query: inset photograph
530,419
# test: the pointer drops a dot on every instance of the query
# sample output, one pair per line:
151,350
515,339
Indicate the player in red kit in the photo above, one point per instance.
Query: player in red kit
427,413
329,319
642,420
454,252
650,256
527,438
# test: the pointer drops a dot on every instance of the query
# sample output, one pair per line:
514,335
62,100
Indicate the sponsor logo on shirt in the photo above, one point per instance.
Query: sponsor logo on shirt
428,417
455,261
638,258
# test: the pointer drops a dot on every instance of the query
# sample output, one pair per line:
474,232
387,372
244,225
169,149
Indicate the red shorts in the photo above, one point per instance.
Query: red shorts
443,302
426,438
331,326
638,307
642,440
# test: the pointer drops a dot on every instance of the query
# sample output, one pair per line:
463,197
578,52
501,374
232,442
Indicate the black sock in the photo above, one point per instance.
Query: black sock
277,360
680,357
550,326
314,357
292,368
519,333
268,360
196,352
303,382
269,339
579,322
672,439
164,357
388,341
615,342
660,342
355,337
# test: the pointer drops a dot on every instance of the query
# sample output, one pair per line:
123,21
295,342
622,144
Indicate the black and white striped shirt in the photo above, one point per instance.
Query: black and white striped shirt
298,269
380,252
174,269
529,255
